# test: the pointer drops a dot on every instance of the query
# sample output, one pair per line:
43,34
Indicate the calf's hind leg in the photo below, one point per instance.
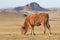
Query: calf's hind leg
49,28
44,25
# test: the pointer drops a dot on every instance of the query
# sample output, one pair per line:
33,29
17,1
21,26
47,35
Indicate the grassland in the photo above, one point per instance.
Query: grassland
10,25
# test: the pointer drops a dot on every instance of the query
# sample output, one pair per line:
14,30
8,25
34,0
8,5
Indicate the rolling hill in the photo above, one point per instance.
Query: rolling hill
33,6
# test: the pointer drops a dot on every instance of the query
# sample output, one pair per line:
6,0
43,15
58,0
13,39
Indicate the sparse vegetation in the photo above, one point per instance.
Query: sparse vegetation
11,22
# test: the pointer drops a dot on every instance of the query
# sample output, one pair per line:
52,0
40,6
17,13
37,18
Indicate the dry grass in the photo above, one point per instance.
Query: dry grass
11,23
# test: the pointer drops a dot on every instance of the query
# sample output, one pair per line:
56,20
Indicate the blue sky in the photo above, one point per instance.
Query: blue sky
16,3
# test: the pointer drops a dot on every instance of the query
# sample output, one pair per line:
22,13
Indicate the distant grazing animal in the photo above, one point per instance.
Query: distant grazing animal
36,19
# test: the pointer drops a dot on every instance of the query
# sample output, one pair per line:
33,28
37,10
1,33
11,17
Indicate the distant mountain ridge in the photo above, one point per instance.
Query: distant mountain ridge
18,8
32,7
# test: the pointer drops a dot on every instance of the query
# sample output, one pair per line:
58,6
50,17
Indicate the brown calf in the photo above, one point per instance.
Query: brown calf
36,20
